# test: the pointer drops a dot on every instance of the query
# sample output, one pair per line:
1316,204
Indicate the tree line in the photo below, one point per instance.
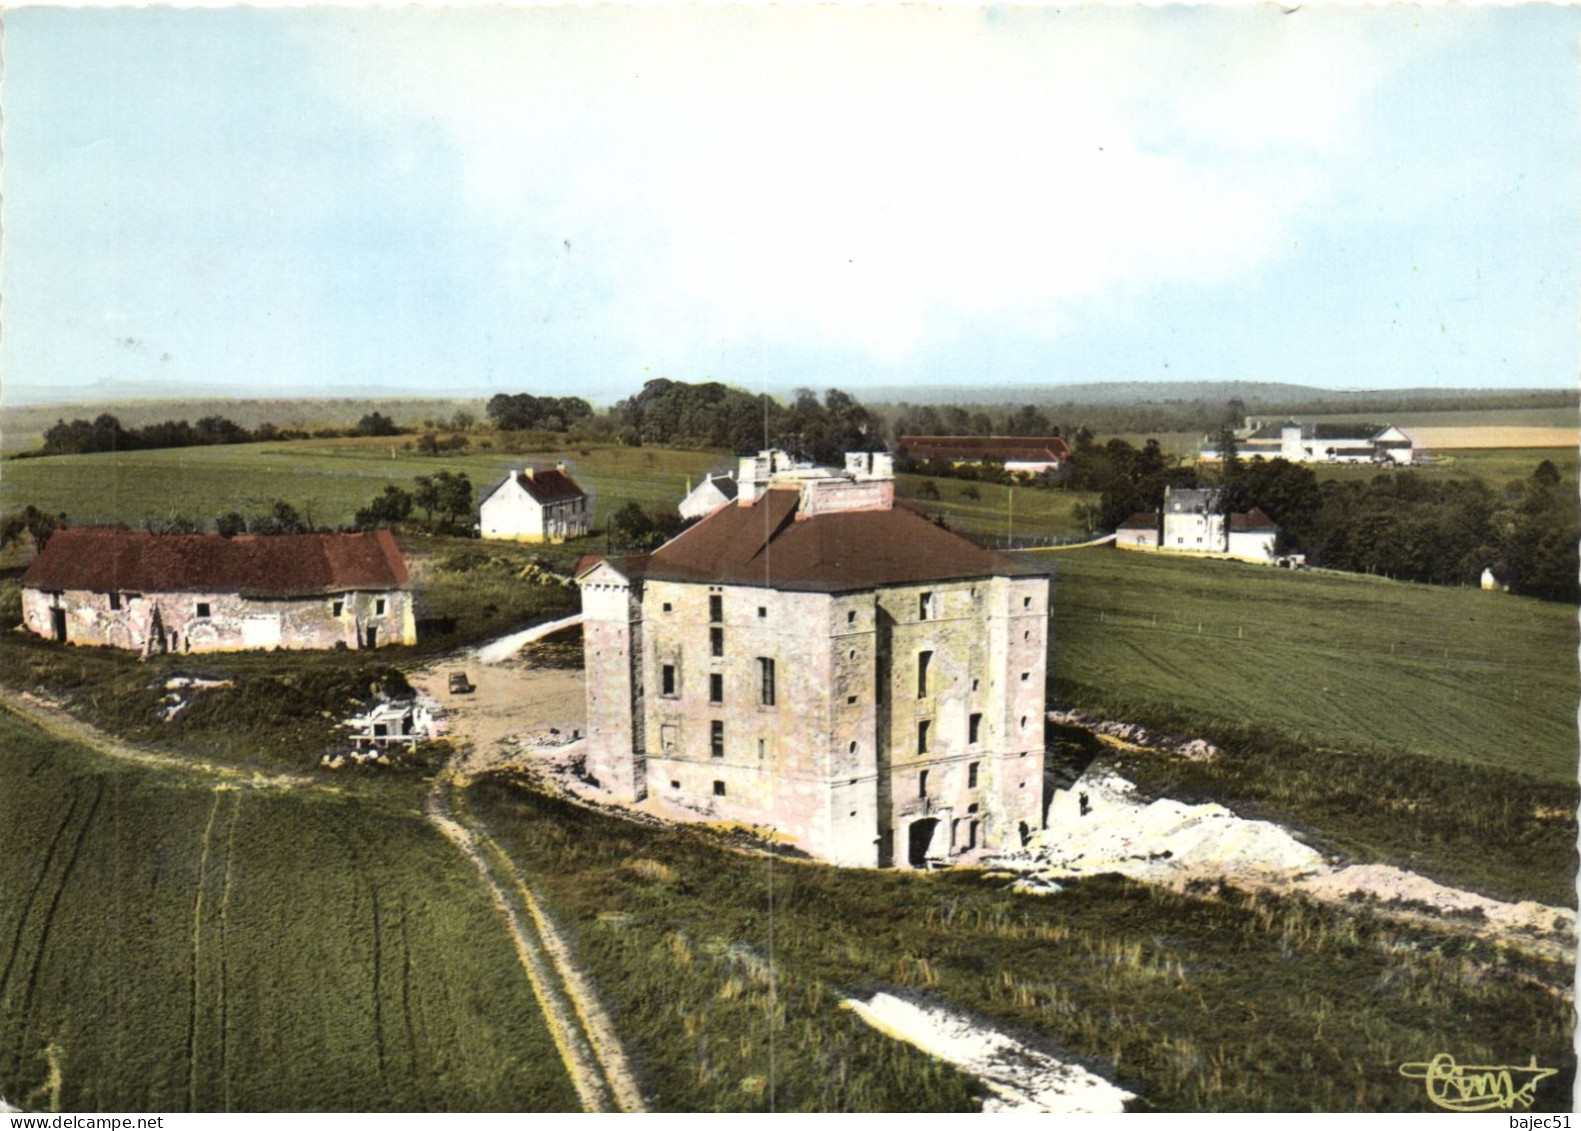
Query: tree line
1399,524
105,433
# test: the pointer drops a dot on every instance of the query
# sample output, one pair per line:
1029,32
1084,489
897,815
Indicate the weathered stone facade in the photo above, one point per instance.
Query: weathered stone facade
878,725
205,593
219,622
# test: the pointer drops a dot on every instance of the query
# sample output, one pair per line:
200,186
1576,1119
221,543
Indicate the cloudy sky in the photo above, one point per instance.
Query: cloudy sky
578,199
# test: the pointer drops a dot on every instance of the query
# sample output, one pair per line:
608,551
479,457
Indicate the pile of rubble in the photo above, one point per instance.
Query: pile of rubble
1192,749
1102,825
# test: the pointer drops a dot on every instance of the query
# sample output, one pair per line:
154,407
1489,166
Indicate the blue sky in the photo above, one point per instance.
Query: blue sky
574,200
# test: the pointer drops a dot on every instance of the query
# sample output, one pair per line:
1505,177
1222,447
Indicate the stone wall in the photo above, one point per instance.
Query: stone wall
221,622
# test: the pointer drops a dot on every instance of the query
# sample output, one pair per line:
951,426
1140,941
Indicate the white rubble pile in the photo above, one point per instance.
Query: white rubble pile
1387,885
1021,1079
1100,825
1192,749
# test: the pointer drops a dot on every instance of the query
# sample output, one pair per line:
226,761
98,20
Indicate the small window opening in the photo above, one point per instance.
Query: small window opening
922,784
971,775
716,641
974,728
924,605
922,736
203,608
762,611
850,617
924,659
716,607
716,739
338,608
378,607
667,680
115,600
719,789
667,606
766,679
716,687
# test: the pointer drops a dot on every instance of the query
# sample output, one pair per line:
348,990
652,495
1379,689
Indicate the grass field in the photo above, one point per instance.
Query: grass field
25,424
1493,467
1452,673
1222,1001
1036,510
165,946
328,479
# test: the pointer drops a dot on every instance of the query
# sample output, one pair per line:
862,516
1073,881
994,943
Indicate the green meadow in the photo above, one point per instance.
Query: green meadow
1454,673
724,974
328,479
169,946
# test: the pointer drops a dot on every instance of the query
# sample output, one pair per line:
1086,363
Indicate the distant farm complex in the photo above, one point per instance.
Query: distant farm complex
815,658
208,593
1193,521
1321,443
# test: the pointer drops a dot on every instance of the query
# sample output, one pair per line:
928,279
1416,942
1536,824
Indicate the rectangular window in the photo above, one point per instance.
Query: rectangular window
338,608
378,607
922,735
716,739
974,727
667,680
850,617
716,687
716,608
203,608
716,641
766,677
971,775
763,611
1026,602
924,659
719,789
922,784
924,606
674,784
762,746
115,600
666,606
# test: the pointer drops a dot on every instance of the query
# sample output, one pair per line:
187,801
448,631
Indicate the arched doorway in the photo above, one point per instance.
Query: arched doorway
920,839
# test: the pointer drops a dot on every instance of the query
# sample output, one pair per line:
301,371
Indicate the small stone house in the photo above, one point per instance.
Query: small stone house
1139,532
708,496
207,593
535,505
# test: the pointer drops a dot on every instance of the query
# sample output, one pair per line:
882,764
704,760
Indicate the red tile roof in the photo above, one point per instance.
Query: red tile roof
1252,520
1002,448
549,485
1141,520
765,544
106,558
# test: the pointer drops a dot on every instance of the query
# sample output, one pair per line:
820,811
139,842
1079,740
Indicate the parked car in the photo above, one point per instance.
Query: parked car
460,684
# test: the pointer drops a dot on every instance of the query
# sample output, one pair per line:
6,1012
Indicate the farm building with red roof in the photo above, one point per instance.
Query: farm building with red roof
817,660
535,505
1029,454
207,593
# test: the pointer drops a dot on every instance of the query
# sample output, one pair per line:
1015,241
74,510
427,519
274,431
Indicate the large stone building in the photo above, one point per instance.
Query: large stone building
206,593
818,660
535,505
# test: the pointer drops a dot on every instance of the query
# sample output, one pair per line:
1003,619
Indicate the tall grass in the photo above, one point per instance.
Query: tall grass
1212,1000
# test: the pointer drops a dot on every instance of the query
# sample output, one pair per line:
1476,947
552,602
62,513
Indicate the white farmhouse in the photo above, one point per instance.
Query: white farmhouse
717,490
1193,519
535,505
